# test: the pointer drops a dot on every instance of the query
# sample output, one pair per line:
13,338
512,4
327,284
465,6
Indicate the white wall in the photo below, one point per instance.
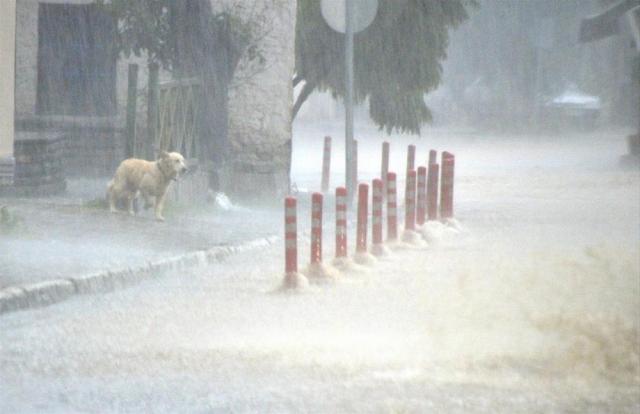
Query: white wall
260,105
7,67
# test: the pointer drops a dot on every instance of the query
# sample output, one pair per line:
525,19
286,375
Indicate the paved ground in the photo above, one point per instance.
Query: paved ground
533,308
71,236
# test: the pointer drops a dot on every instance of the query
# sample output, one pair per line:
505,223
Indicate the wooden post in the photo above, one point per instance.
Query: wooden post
132,98
152,110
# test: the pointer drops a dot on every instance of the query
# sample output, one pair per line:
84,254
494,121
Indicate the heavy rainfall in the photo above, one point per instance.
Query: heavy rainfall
204,279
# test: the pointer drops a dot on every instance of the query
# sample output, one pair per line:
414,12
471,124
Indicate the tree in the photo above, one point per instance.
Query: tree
396,60
143,27
189,39
153,27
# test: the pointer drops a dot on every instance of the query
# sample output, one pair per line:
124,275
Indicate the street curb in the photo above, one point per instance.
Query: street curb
46,293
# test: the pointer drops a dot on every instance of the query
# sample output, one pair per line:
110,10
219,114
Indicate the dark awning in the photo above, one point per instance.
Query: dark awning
606,23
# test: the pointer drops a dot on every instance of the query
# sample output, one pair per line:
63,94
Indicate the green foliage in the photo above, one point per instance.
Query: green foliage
143,27
396,60
239,36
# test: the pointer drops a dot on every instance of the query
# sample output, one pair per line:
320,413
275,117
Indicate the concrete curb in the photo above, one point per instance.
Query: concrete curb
46,293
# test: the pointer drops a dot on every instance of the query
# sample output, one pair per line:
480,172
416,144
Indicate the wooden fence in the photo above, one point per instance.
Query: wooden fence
178,118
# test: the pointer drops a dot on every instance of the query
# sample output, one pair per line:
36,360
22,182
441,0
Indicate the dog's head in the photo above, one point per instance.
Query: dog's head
172,163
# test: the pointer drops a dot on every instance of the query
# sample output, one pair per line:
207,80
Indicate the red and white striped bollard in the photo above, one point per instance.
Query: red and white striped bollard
410,202
341,222
363,215
446,185
411,158
376,211
316,228
377,199
422,196
290,242
392,213
432,191
433,156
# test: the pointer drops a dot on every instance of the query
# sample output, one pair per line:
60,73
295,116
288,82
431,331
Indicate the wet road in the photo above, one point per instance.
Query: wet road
531,307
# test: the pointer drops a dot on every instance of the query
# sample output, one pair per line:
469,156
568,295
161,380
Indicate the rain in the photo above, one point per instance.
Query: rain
160,249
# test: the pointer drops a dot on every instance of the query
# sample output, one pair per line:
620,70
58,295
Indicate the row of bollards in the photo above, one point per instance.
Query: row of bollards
421,205
426,176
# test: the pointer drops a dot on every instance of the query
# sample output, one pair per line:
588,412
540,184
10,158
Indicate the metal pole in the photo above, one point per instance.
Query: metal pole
348,101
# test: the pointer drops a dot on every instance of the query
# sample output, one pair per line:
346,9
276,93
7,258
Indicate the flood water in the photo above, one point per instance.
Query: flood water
532,305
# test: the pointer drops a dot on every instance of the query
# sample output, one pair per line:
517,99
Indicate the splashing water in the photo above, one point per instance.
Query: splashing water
528,303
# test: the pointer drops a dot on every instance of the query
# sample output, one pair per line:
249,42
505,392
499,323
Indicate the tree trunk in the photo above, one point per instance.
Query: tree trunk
198,54
306,91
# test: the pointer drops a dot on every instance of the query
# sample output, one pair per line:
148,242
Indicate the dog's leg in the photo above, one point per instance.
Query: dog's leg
159,207
130,197
111,198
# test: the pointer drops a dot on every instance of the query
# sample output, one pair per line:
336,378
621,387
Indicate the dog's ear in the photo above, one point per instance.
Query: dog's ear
163,155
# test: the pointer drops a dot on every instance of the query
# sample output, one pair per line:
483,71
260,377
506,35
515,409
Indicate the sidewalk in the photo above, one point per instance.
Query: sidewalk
71,237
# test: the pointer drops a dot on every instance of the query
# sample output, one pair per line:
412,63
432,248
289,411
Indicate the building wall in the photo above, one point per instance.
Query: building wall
260,109
260,105
26,57
92,145
7,53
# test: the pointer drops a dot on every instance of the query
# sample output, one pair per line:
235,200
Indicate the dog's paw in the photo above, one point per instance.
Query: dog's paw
159,218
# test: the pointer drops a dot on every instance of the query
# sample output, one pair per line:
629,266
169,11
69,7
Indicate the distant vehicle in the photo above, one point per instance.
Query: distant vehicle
574,108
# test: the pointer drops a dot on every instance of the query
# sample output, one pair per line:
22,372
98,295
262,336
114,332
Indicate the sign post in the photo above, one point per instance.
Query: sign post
349,17
348,99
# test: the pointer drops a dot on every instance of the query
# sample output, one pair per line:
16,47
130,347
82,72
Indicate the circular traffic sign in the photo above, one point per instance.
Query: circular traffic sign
364,11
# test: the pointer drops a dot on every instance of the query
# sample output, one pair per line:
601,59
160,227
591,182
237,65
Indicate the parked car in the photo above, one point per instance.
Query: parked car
574,108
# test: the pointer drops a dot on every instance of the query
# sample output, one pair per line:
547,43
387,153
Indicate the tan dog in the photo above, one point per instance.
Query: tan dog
149,178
